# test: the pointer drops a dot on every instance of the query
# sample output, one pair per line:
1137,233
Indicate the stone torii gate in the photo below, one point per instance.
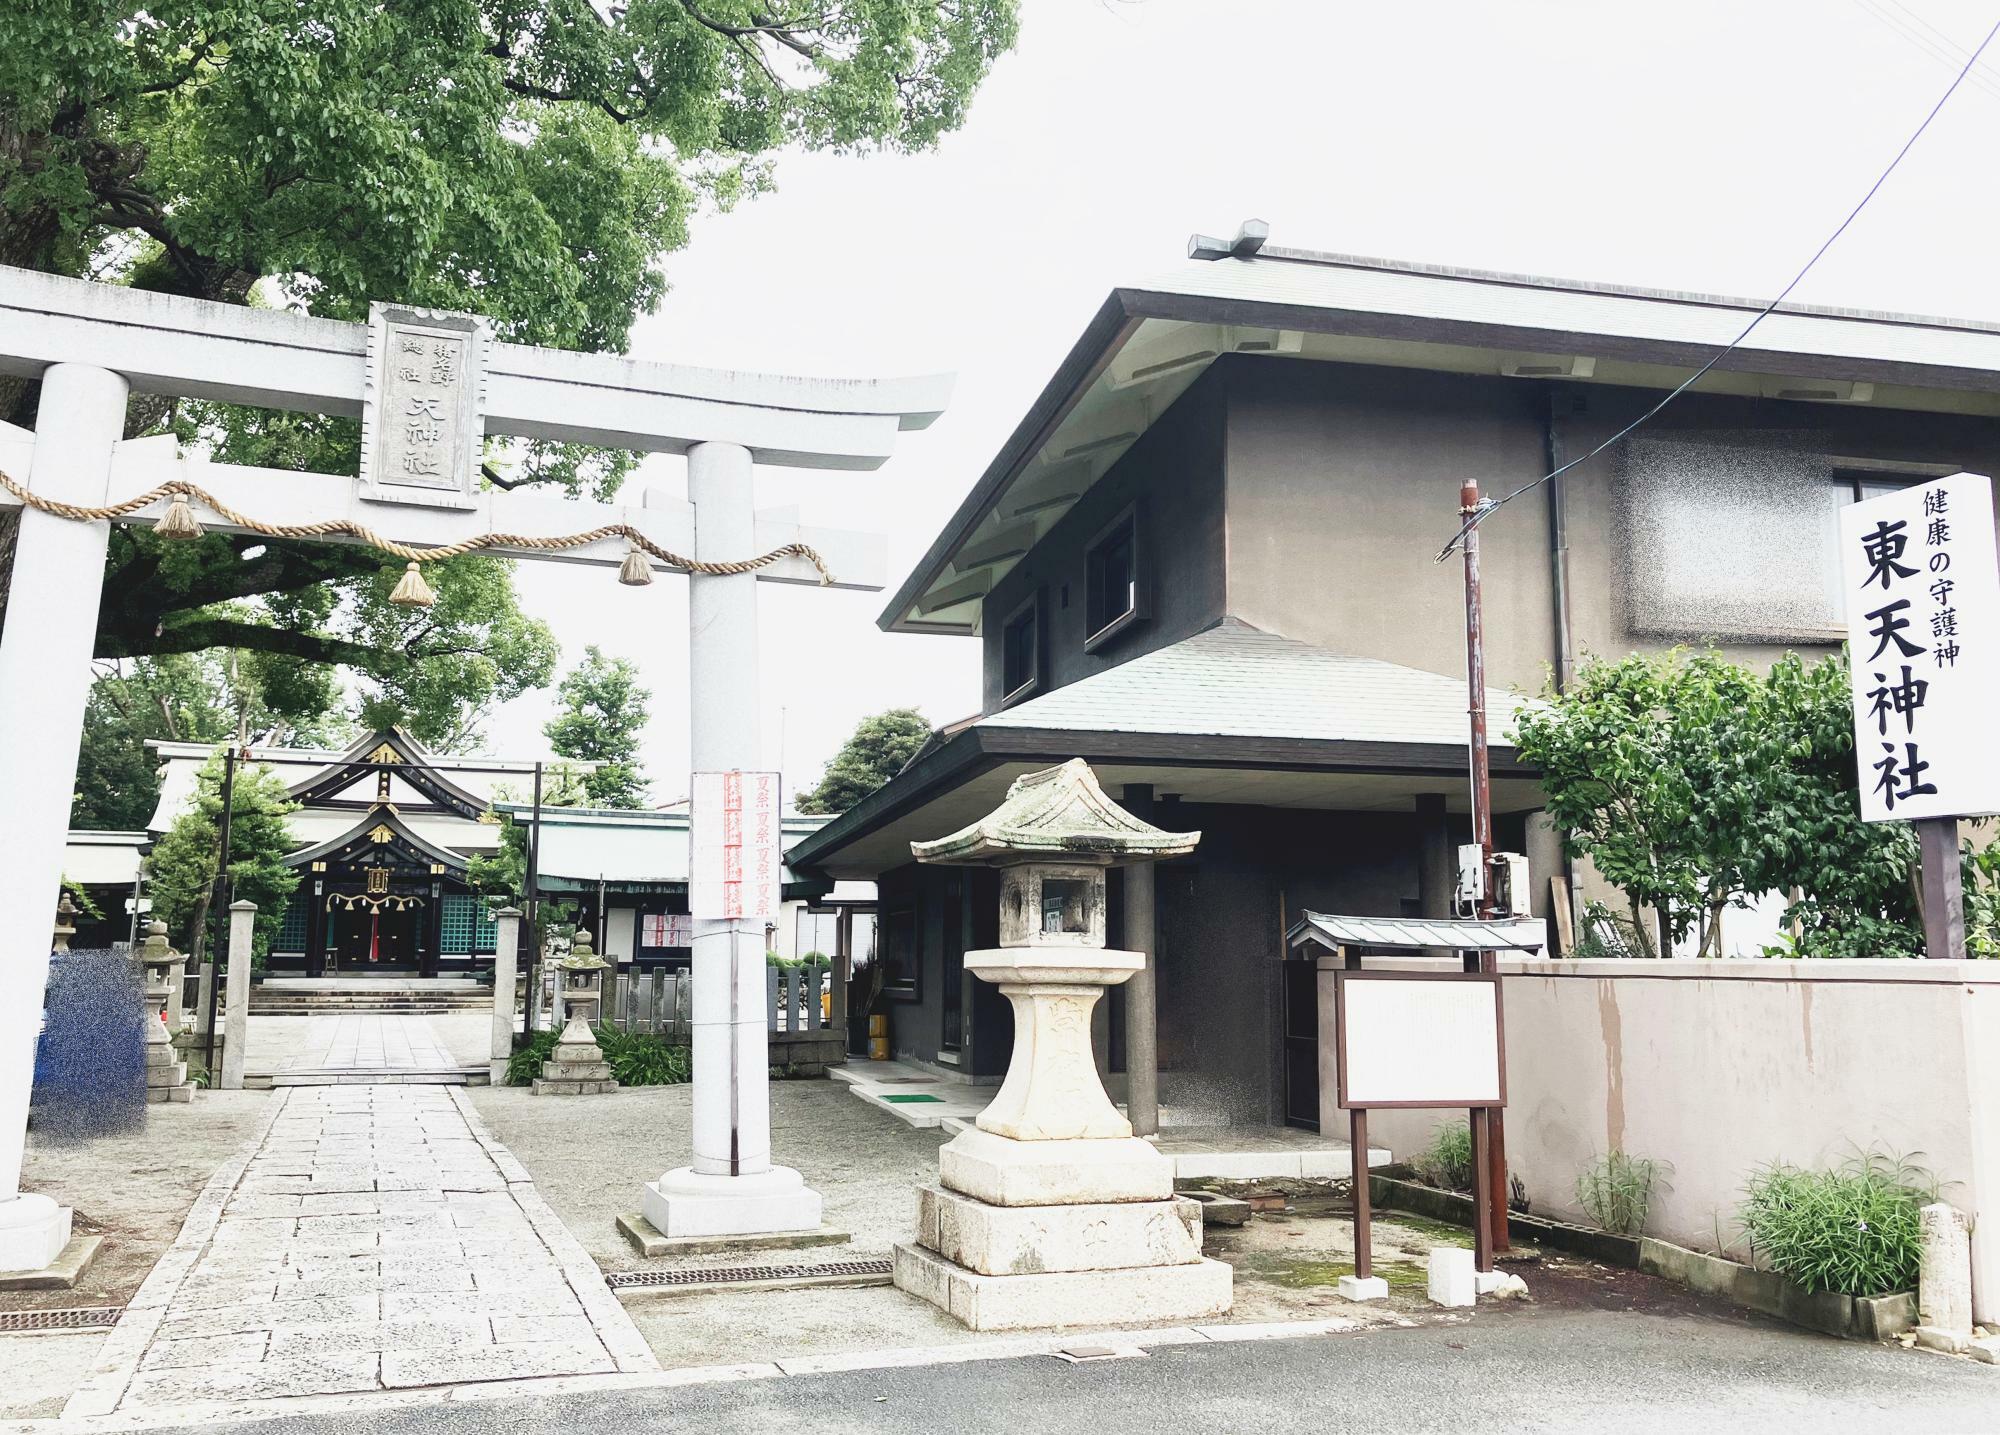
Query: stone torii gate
427,386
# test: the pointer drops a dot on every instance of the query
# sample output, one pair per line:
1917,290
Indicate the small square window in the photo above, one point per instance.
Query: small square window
1112,580
1021,651
1063,907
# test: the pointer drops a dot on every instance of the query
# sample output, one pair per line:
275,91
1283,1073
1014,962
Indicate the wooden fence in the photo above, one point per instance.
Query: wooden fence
805,1009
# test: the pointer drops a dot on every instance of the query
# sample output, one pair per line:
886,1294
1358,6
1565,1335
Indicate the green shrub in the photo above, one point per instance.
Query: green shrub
635,1058
1617,1191
1448,1161
1852,1230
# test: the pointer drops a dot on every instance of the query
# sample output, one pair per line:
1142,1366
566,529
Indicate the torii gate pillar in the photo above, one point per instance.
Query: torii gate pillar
52,606
730,1188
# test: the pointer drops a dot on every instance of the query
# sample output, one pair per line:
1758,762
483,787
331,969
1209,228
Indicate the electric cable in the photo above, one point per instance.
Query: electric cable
1489,506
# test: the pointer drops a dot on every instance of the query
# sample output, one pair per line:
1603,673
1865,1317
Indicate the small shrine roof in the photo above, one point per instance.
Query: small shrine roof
1058,812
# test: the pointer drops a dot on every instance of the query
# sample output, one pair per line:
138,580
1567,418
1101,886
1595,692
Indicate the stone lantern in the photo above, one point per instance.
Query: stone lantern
66,915
166,1073
577,1066
1049,1211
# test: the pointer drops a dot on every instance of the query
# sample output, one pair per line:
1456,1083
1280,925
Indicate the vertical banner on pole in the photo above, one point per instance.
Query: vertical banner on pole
1922,591
735,867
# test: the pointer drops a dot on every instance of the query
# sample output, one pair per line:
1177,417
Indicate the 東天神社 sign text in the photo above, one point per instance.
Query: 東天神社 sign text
1922,591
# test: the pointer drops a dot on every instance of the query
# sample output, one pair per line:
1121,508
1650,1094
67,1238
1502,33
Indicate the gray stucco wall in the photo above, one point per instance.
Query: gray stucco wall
1342,483
1175,469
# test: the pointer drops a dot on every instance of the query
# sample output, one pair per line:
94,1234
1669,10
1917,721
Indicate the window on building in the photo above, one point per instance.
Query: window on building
900,971
818,931
1846,488
292,929
1021,651
1112,580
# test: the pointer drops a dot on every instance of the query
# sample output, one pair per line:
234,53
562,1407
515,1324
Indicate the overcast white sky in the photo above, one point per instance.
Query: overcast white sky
1697,145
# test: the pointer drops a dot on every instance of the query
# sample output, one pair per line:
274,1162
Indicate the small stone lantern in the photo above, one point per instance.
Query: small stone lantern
66,915
577,1066
1049,1211
166,1073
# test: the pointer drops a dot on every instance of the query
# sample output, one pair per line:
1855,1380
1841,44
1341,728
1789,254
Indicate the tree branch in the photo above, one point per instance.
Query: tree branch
199,633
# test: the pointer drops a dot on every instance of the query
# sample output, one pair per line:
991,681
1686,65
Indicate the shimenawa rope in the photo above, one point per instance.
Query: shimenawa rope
179,522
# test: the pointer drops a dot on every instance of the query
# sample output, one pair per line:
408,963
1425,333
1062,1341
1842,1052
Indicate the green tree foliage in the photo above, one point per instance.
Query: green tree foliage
183,866
188,697
530,161
879,748
1693,785
602,715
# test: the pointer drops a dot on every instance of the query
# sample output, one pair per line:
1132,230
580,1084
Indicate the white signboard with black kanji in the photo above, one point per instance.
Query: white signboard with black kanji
736,862
1922,588
422,410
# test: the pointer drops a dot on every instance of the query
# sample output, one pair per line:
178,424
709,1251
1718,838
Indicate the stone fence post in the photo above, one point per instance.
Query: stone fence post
506,951
236,995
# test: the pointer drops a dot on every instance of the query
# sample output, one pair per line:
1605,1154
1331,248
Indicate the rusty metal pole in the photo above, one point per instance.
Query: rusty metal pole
1495,1146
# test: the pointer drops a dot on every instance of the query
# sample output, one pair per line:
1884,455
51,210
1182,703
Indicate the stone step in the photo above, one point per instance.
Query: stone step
1011,1240
1143,1294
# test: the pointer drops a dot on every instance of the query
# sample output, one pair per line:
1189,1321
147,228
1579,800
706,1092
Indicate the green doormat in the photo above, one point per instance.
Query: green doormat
903,1098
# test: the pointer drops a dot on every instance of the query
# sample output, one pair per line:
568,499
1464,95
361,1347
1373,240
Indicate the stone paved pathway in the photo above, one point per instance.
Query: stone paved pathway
357,1040
372,1237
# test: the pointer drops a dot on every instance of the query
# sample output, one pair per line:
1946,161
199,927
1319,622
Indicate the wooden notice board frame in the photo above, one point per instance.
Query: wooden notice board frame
1480,1106
1472,1099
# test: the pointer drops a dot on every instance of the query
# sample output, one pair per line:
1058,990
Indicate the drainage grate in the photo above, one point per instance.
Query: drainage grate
95,1317
737,1275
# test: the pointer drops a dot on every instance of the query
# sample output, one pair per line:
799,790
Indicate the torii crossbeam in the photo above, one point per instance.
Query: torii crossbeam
93,345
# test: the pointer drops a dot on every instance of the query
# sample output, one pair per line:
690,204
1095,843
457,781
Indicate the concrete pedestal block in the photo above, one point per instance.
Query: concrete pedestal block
1005,1172
1021,1240
33,1232
687,1202
1194,1291
1363,1288
1453,1281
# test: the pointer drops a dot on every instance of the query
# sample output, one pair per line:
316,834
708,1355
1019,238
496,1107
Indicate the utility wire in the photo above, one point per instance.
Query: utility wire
1489,506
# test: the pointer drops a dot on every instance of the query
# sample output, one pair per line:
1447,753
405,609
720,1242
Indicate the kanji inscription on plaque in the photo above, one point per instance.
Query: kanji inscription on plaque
421,419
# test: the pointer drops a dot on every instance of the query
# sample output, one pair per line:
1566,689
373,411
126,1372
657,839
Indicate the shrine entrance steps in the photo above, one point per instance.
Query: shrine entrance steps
403,996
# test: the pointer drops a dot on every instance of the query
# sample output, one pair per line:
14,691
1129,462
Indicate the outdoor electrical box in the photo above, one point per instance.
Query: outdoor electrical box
1513,890
1471,879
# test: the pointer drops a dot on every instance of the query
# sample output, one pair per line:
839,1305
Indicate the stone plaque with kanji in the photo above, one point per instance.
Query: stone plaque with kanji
422,413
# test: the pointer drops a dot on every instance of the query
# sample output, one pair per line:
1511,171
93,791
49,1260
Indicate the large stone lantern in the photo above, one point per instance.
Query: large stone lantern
1049,1211
166,1073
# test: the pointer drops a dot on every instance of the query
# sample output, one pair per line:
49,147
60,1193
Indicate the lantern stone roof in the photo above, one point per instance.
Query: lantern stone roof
1057,812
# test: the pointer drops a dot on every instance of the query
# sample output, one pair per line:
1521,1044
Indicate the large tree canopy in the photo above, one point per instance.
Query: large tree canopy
878,749
529,159
602,713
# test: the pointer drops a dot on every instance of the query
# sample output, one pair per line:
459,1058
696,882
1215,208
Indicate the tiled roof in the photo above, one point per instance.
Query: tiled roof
1234,680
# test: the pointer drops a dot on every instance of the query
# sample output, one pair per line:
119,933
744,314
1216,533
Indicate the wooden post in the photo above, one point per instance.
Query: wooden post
1482,1191
1357,1140
1944,892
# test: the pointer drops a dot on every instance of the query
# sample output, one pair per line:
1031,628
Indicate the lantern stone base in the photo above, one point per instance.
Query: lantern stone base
33,1232
1022,1234
1005,1172
1027,1240
166,1077
687,1202
1028,1302
576,1067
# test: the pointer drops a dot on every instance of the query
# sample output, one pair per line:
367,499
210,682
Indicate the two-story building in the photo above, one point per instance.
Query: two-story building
1205,561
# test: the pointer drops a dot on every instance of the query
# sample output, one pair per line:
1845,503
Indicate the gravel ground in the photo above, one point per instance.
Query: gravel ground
590,1155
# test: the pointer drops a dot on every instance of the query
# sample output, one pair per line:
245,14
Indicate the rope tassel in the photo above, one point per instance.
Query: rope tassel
179,520
635,571
411,590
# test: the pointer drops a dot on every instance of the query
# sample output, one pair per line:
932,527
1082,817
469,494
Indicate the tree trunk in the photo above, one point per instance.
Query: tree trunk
1639,932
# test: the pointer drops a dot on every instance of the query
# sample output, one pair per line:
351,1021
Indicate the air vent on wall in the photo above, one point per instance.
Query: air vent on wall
1817,391
1548,366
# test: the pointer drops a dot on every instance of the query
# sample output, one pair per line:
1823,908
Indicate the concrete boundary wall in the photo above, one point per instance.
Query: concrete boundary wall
1722,1066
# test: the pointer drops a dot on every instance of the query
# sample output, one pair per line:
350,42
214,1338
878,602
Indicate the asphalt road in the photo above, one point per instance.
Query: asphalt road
1540,1370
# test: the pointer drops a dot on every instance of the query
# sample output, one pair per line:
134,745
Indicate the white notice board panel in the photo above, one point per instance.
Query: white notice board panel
1922,588
1419,1039
735,859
